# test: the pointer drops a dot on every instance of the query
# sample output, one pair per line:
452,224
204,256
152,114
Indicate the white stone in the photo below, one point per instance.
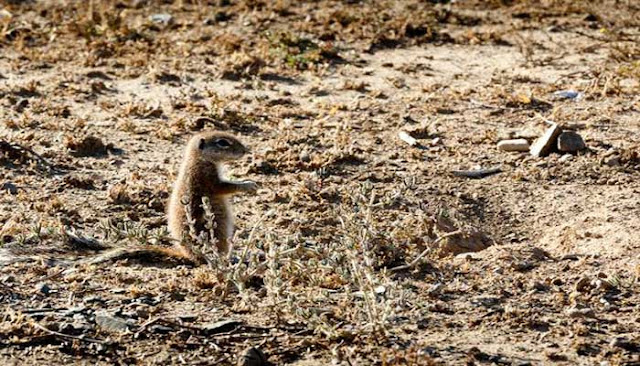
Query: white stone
514,145
565,157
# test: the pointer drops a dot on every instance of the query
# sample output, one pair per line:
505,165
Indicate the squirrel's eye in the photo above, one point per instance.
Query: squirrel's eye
224,143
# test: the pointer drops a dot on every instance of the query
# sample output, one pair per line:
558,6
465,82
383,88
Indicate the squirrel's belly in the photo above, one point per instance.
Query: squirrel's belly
221,208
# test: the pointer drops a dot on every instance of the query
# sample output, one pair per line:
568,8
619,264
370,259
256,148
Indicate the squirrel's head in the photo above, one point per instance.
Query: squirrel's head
217,146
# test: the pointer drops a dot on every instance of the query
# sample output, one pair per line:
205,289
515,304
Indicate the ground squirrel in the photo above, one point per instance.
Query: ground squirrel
200,176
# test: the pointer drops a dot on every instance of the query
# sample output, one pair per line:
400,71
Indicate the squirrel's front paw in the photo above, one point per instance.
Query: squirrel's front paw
249,186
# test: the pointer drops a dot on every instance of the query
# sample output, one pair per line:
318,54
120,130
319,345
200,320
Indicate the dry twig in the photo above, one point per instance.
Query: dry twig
424,252
478,173
69,336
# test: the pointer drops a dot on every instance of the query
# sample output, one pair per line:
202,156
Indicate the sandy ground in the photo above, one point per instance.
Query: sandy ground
97,106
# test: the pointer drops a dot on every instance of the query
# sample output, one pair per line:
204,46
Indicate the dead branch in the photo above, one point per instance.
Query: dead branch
424,252
69,336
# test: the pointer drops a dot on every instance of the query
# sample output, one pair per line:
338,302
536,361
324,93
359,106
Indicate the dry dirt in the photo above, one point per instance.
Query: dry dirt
98,98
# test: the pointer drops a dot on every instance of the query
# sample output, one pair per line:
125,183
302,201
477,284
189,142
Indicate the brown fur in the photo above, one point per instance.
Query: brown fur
201,176
148,254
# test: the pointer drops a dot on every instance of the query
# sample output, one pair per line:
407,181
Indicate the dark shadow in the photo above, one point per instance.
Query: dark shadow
270,76
13,155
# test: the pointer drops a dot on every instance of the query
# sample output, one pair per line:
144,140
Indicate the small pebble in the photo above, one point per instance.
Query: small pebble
404,136
9,187
161,18
567,94
612,161
565,158
43,288
379,290
305,157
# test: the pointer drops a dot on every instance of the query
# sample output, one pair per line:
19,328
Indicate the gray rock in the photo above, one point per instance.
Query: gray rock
570,142
486,301
111,323
43,288
9,187
544,144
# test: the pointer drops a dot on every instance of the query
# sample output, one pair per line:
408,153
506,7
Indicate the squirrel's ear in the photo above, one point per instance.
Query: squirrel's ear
201,144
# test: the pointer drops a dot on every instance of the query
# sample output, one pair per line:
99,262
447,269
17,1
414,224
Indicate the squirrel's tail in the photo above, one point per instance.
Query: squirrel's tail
75,244
148,254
